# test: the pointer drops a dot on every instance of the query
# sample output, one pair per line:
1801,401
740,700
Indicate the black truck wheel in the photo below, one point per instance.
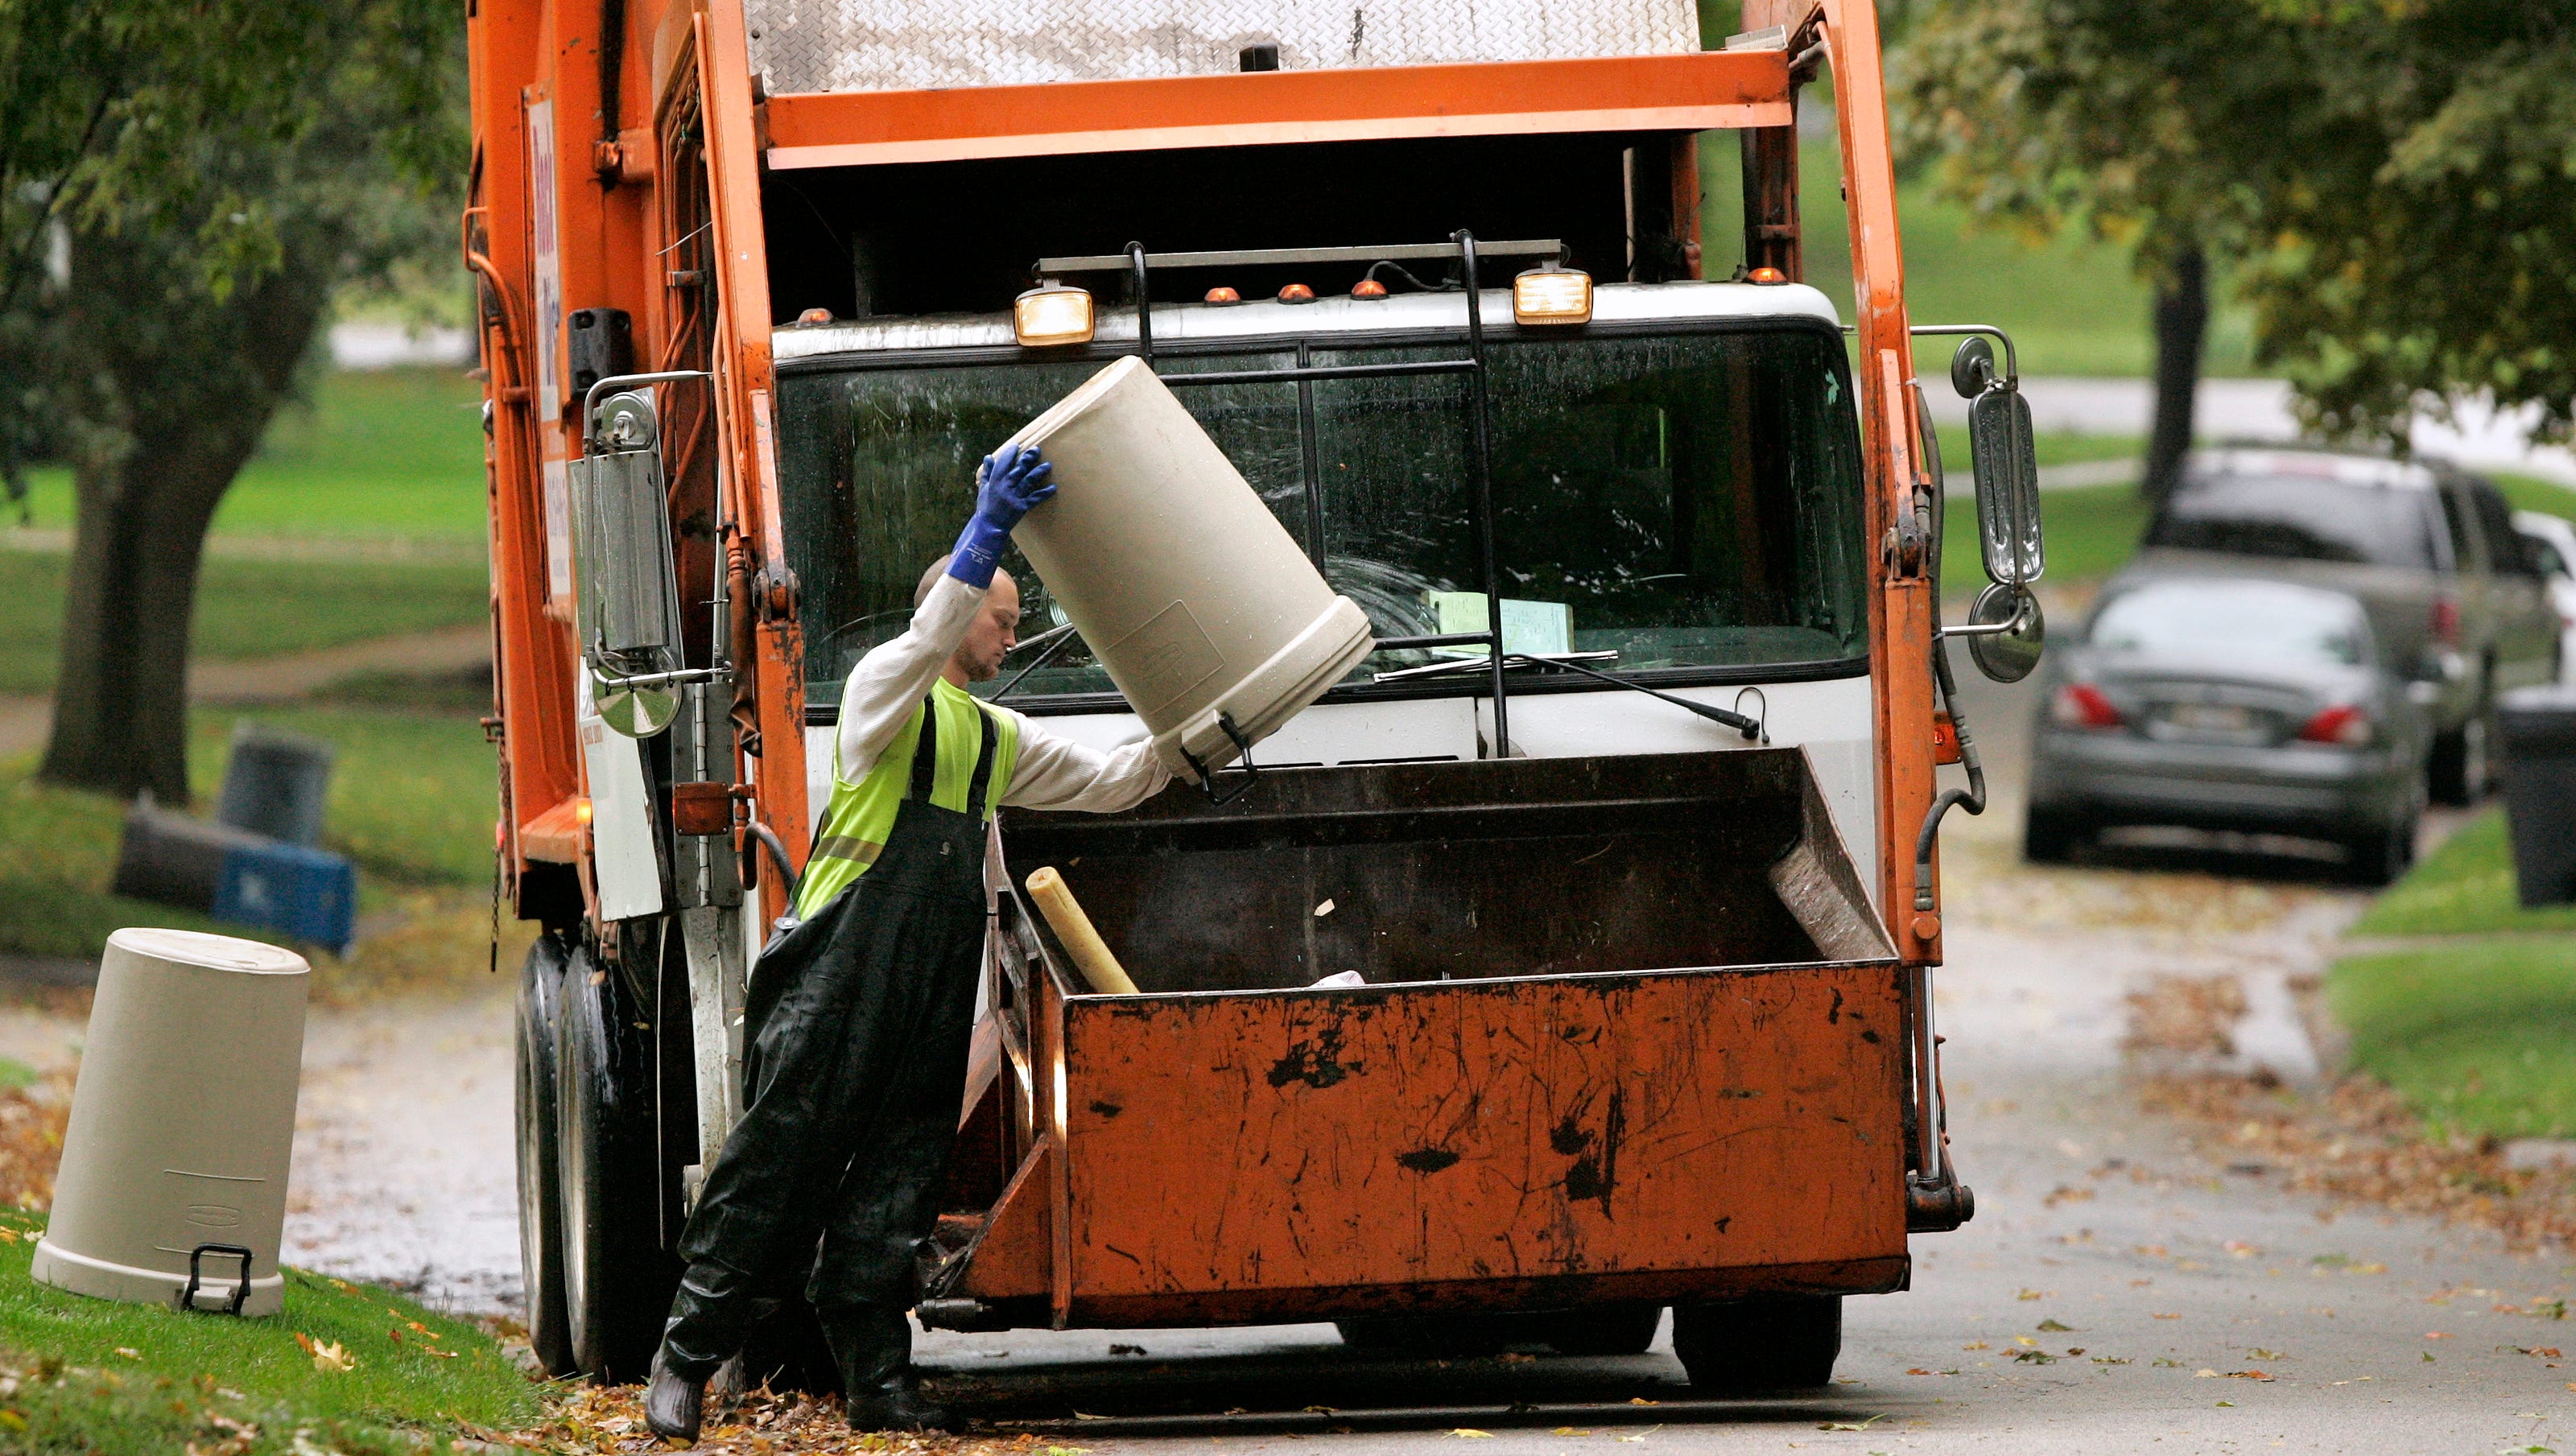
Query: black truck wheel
616,1281
1773,1342
540,1193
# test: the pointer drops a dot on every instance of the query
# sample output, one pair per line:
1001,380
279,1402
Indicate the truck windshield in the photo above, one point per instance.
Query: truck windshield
1688,501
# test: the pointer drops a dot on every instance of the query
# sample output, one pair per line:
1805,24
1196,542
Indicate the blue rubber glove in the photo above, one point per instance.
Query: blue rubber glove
1011,481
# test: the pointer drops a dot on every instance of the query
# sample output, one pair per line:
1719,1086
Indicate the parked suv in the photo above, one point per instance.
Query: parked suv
2454,597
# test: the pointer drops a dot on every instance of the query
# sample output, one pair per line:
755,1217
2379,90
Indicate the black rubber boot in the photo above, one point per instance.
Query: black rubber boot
872,1343
897,1405
673,1402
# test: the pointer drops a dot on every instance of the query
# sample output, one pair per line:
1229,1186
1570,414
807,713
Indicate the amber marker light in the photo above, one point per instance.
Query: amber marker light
815,316
1296,293
1552,296
1766,275
1368,288
1052,314
1222,295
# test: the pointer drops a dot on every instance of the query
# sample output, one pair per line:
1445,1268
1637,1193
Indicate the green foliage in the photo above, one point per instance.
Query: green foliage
2528,494
2479,1037
92,1375
2464,888
2394,180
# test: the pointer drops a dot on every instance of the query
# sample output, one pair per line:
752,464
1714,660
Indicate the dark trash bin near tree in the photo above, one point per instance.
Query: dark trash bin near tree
2538,728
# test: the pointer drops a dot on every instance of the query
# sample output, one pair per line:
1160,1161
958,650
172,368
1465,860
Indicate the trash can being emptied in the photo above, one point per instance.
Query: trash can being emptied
2538,728
182,1124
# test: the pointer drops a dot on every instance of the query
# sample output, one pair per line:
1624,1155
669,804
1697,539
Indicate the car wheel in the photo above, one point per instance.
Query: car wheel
2462,767
2383,856
540,1194
1619,1329
616,1286
1773,1342
2050,836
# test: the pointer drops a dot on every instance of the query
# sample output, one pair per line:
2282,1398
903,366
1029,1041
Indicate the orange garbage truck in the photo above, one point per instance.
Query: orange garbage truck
1617,855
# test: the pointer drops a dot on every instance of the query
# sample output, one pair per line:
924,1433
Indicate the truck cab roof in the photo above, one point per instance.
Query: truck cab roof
1614,304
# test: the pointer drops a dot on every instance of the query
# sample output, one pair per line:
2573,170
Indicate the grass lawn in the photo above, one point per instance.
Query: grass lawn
92,1375
2477,1030
2072,305
2464,888
2091,530
2480,1037
412,801
248,609
2530,494
394,452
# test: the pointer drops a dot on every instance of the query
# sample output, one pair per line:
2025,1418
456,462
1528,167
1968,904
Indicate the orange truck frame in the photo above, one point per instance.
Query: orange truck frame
1691,1068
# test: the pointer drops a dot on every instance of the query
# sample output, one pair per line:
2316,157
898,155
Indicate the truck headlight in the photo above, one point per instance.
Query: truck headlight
1052,314
1552,295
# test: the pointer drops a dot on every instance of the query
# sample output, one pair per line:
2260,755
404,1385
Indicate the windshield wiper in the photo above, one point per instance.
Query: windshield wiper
1751,728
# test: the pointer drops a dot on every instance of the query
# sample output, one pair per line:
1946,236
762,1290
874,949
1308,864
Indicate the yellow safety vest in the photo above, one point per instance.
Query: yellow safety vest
861,815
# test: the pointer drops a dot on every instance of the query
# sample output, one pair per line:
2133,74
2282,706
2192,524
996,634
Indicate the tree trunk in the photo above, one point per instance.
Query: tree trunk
2182,323
197,393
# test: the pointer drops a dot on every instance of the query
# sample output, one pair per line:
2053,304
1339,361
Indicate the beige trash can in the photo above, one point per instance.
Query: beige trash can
1198,603
182,1124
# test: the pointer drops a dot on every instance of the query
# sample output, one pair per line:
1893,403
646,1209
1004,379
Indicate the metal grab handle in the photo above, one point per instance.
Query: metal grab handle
197,1277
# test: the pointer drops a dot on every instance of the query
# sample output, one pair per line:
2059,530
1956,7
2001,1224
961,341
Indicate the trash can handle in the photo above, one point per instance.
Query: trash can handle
196,1277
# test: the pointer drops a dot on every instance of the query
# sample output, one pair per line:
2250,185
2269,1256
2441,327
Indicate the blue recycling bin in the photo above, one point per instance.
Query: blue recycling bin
310,894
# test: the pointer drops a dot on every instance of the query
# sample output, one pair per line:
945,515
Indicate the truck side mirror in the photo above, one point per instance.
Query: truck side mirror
627,587
2006,463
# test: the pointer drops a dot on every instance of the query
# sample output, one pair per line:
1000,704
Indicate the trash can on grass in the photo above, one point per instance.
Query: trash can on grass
231,874
182,1125
2538,729
276,784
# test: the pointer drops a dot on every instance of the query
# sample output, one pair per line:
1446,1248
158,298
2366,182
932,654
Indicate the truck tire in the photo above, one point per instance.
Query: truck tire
540,1194
1618,1329
1771,1342
616,1282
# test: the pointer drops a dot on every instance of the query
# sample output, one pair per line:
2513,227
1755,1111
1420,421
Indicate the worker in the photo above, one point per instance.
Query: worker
862,1011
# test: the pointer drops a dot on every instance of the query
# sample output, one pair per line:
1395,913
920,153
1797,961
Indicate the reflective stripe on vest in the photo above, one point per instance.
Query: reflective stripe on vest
861,815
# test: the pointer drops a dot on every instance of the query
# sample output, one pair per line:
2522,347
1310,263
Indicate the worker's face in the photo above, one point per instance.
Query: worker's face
995,630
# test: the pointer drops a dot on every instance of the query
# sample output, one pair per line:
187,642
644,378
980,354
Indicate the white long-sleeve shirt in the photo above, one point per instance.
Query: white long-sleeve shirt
1052,772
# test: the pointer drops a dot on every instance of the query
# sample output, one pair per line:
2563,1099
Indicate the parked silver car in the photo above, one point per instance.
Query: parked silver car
2550,541
2429,550
2229,703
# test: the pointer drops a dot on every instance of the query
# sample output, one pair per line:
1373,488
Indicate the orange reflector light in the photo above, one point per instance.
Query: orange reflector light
1296,293
815,316
1766,275
1052,315
1552,296
1222,294
1368,288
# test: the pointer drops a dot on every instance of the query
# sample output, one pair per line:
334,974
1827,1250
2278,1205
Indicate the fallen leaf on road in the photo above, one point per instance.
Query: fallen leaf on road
2035,1357
1851,1425
1571,1431
2247,1375
2546,1352
1323,1410
1463,1431
2205,1374
1974,1345
2259,1353
2063,1193
2367,1269
2241,1249
2168,1316
2052,1326
2229,1404
2111,1360
1641,1400
2436,1335
2034,1294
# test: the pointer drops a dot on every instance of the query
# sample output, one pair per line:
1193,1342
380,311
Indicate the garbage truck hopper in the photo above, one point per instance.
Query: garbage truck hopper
1630,1031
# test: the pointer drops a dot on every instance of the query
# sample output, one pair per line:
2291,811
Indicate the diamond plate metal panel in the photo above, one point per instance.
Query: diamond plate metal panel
898,45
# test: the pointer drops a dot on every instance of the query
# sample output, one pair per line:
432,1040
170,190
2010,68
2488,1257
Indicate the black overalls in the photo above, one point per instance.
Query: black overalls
858,1022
